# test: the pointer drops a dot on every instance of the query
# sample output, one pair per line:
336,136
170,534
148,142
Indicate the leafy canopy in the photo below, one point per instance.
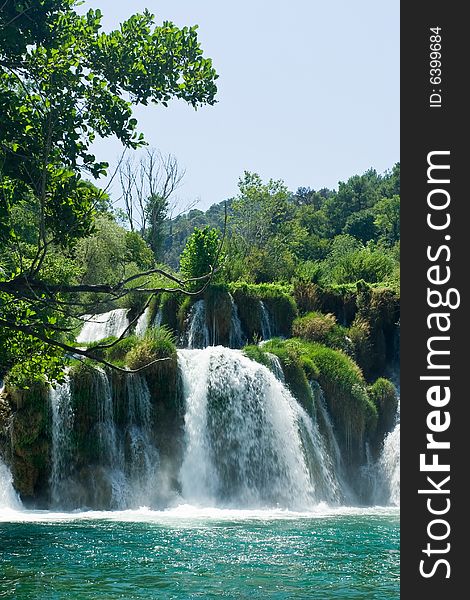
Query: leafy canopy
63,83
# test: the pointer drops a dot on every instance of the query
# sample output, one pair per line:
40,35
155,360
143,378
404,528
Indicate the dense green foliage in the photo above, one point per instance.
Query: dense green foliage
322,265
63,83
200,255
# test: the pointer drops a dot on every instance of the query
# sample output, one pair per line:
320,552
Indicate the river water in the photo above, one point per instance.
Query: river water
189,553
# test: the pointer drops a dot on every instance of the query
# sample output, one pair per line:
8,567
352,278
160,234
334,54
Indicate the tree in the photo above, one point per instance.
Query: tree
265,235
361,225
147,188
200,255
63,82
387,219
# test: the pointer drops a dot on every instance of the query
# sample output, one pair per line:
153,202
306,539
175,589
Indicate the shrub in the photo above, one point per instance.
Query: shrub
157,343
359,334
117,353
314,327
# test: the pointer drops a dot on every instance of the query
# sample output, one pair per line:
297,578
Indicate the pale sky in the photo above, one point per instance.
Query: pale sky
308,92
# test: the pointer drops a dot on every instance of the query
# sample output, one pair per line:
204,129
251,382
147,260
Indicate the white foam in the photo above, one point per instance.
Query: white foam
186,514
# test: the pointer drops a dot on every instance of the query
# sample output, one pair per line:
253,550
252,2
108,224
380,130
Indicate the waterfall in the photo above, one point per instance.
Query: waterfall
142,455
248,442
62,421
198,334
384,473
158,318
8,497
276,366
389,466
100,326
236,338
123,469
142,323
266,330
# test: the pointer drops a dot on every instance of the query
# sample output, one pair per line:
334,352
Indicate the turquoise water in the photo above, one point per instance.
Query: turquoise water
207,554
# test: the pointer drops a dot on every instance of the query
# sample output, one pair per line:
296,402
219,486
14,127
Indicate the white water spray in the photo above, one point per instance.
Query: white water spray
100,326
236,338
142,323
9,499
248,442
198,334
266,329
62,421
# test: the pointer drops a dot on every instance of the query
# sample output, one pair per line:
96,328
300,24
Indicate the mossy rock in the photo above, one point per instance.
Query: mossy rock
276,298
170,303
384,396
353,413
158,344
298,369
218,305
28,444
338,300
379,310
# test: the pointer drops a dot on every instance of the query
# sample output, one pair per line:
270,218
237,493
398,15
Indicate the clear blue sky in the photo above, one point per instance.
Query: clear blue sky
308,92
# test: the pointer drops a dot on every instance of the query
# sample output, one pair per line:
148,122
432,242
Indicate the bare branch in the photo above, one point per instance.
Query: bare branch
86,353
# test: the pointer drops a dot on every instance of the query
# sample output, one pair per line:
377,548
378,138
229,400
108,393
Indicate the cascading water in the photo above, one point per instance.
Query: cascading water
276,366
330,443
8,497
100,326
62,421
266,330
198,334
124,470
158,318
248,442
142,458
389,466
236,338
111,452
384,473
142,323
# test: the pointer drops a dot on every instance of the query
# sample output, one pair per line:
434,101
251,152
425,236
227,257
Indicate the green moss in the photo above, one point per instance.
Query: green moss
359,334
337,299
318,327
28,437
353,413
184,311
297,367
116,354
258,354
379,309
